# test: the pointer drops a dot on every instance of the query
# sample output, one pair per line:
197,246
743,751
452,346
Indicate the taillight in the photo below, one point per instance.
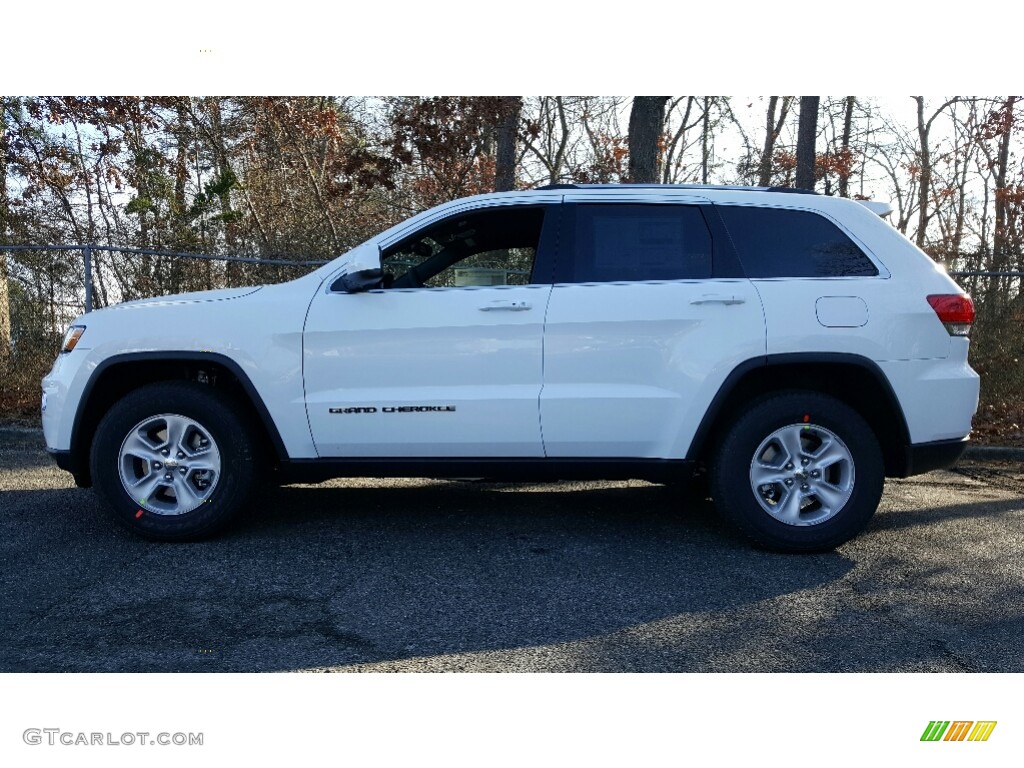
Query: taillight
956,311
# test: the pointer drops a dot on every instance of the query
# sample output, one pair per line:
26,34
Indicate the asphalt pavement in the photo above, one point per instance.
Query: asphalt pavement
426,575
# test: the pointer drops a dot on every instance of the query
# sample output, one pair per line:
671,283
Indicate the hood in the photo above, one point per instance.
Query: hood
221,294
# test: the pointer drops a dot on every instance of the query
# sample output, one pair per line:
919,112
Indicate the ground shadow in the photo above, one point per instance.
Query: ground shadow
334,576
634,577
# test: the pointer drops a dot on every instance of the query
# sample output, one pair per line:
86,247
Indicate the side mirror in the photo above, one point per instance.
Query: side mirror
362,269
357,282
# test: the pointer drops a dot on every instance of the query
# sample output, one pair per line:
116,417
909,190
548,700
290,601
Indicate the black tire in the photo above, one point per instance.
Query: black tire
219,423
763,432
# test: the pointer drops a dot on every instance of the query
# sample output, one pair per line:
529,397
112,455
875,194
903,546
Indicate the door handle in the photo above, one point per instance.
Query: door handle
505,306
717,298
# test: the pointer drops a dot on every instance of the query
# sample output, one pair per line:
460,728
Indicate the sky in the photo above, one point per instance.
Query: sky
467,47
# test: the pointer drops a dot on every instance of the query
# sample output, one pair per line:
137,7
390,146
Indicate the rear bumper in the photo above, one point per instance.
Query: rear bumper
924,457
939,397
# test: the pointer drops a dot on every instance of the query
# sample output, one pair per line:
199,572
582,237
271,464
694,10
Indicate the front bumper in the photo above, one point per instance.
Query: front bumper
67,461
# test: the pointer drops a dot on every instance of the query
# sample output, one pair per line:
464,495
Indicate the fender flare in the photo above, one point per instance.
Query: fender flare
184,356
732,381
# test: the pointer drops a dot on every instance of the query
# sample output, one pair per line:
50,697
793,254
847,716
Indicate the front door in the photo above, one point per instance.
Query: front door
445,358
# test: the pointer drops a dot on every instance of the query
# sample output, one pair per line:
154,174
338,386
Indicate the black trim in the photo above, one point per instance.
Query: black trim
510,469
199,357
545,261
924,457
554,187
792,190
725,261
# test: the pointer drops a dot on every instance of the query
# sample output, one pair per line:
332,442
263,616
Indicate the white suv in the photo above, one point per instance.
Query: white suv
796,346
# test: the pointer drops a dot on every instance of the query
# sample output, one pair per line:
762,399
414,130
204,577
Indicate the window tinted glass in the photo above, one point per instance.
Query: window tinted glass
492,247
775,242
641,242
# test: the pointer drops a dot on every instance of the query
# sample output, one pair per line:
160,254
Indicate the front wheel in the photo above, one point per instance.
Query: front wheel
798,472
173,461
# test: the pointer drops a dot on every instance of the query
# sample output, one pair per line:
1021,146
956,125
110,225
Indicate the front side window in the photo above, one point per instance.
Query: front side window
619,242
779,242
497,246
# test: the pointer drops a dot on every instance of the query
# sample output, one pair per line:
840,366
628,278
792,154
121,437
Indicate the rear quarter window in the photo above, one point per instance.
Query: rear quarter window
778,242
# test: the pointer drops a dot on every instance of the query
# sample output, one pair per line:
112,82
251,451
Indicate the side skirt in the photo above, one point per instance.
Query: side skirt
504,469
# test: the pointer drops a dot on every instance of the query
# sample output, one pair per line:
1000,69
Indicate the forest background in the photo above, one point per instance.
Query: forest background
301,179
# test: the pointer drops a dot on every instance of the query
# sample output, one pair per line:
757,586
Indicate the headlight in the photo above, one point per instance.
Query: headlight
71,338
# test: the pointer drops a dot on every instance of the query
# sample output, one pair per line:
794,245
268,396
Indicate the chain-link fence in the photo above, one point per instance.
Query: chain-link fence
997,353
42,288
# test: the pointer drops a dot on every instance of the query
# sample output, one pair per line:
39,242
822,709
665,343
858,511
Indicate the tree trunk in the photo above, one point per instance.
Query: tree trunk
181,161
772,129
924,184
964,154
844,178
645,123
5,305
224,172
999,238
508,130
807,135
705,135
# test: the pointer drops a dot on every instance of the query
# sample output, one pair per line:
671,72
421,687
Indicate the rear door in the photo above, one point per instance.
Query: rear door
647,317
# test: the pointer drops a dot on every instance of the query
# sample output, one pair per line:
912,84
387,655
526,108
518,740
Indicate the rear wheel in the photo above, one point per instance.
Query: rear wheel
173,461
798,472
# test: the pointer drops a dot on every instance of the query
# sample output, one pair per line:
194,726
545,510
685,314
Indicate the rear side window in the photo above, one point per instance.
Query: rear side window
641,242
776,242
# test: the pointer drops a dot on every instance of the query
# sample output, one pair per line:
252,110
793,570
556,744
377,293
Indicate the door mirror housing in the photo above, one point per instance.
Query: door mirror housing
363,270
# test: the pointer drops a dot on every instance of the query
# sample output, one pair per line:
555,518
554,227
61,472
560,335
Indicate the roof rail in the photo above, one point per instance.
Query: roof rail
734,188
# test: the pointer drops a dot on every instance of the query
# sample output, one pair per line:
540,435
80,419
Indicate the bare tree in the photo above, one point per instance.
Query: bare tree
807,135
993,166
844,179
677,145
773,127
646,119
924,182
951,175
549,135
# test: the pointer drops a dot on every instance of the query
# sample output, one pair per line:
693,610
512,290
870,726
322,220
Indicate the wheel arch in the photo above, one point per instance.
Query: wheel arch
856,380
120,374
